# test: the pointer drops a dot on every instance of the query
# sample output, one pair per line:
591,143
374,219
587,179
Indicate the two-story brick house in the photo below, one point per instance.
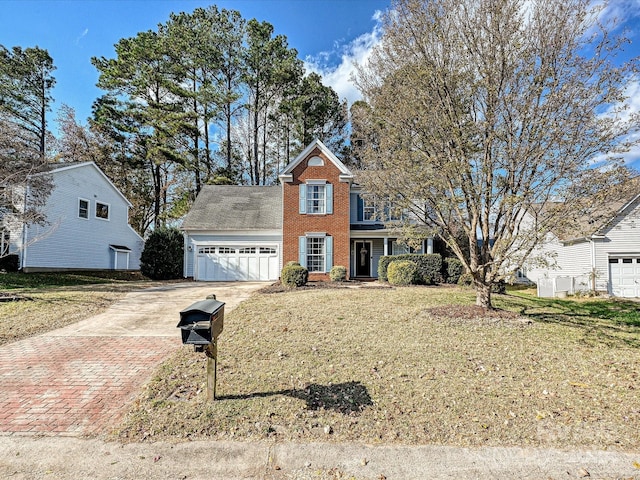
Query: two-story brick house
316,217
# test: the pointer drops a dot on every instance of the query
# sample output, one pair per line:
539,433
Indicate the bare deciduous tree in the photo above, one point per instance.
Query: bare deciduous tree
483,110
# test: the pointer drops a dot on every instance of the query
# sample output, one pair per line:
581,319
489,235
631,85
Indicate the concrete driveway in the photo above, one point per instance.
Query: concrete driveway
78,380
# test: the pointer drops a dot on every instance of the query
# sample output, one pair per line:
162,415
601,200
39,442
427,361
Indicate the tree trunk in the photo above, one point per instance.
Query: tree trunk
483,294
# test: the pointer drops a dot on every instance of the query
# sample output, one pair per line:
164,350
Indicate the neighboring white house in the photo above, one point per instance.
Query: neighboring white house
87,226
606,260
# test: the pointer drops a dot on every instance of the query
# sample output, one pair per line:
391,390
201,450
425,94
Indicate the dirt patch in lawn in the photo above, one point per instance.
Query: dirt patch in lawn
392,366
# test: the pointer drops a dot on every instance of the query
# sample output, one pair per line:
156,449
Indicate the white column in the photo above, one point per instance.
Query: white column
430,245
386,246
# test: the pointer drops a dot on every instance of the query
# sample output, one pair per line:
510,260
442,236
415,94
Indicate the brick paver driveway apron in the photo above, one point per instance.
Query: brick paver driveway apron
78,380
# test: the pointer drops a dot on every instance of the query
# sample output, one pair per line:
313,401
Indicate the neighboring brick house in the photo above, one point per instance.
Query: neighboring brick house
316,217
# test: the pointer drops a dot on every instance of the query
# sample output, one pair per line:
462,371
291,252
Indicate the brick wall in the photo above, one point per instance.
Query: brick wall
336,225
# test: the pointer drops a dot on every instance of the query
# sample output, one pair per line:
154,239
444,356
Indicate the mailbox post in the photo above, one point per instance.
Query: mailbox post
201,324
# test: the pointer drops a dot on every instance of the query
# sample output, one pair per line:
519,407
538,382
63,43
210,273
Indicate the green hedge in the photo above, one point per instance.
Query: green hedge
402,272
452,269
429,267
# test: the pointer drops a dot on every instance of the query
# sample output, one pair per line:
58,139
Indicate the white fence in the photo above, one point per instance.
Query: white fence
562,286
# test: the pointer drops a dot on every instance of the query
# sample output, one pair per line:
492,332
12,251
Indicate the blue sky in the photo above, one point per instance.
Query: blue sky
328,34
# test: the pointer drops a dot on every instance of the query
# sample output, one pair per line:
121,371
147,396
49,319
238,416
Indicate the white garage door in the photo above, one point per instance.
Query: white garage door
625,276
237,263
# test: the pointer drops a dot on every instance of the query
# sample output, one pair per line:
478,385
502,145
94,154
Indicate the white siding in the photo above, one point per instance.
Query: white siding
71,242
562,260
621,238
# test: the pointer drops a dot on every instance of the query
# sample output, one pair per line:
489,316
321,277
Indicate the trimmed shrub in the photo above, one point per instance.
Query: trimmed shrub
338,273
429,267
452,269
402,272
383,264
10,263
294,275
465,280
163,254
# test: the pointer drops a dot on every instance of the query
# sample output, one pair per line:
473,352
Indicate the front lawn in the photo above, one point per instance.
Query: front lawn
410,365
35,303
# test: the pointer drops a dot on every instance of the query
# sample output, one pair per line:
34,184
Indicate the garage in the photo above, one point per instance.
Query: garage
237,263
624,273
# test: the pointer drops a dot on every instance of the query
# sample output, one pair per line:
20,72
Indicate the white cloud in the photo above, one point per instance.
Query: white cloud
82,35
339,76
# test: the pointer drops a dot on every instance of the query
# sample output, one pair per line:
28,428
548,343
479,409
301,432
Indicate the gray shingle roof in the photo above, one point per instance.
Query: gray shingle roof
233,207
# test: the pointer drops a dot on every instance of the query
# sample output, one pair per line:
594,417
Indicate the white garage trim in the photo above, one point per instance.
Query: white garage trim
235,261
624,275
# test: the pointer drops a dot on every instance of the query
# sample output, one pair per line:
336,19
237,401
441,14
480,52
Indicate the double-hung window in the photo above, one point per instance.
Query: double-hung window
316,197
83,208
316,252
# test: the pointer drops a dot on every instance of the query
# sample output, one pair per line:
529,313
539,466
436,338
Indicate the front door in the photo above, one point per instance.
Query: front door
363,259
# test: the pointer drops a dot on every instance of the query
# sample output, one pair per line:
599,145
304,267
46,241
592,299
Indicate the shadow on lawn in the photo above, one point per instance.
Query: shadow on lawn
346,398
606,320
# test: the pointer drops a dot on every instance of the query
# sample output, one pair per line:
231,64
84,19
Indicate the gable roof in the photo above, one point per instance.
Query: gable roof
55,168
345,174
233,207
596,220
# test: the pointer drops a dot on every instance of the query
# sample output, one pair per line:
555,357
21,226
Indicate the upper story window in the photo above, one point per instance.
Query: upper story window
368,211
316,197
102,210
83,208
315,161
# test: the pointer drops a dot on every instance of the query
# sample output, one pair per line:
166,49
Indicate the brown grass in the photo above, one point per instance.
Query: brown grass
46,311
410,365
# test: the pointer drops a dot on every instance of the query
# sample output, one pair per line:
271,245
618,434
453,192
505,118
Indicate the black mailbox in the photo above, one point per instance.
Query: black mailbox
202,322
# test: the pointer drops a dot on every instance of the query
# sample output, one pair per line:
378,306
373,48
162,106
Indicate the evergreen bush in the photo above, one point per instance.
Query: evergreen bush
294,275
465,280
402,272
452,269
338,273
429,267
163,254
10,263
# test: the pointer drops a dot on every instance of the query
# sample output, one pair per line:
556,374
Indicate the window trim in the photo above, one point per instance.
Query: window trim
80,199
321,198
95,211
321,257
